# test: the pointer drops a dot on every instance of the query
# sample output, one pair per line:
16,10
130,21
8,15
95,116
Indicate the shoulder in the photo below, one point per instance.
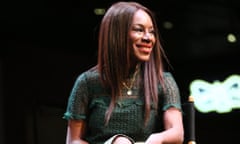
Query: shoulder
169,78
91,74
167,74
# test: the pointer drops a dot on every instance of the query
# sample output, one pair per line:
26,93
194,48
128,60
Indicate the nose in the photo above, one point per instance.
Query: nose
146,37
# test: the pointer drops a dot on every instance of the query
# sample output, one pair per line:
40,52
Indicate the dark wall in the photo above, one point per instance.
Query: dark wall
46,44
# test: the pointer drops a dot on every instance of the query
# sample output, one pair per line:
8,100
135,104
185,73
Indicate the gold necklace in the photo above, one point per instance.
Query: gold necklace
131,81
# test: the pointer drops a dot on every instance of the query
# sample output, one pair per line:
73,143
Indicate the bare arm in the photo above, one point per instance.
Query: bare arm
75,132
174,131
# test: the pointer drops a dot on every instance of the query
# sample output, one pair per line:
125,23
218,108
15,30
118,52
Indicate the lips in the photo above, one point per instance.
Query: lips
144,46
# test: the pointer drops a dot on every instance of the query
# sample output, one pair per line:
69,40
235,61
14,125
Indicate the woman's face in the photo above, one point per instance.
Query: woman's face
142,36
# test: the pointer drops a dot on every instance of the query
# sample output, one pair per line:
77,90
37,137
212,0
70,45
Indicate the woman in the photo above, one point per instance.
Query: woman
127,97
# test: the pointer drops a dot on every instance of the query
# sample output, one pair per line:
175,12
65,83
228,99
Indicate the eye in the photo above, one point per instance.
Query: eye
152,32
138,29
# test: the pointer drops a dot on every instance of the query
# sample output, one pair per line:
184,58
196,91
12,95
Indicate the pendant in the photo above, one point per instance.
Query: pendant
129,92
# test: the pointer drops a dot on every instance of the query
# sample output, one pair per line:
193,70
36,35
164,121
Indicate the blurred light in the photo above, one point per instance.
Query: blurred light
221,97
99,11
167,25
231,38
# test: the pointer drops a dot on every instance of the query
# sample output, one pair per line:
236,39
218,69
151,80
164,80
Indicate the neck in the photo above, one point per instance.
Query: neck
133,69
128,84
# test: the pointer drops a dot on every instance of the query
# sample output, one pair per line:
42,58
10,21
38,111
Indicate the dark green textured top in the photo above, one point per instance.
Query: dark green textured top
89,101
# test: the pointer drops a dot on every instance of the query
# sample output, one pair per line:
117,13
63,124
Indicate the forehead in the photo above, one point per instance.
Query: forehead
141,17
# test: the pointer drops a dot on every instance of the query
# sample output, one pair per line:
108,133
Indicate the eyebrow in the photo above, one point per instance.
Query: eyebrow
142,25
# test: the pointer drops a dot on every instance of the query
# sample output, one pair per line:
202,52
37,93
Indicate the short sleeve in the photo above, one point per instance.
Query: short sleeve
171,96
78,100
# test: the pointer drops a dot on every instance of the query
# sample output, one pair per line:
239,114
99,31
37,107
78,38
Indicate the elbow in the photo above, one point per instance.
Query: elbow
181,137
181,140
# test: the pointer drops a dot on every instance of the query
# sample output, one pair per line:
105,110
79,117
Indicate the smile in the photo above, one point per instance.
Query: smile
145,49
144,46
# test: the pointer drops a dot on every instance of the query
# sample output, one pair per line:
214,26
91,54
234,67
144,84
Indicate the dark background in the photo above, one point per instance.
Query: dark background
46,44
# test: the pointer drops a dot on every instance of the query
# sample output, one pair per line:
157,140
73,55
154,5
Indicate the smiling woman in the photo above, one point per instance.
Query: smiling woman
127,97
142,35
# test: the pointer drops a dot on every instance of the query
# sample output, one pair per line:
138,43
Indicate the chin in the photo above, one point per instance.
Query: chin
144,59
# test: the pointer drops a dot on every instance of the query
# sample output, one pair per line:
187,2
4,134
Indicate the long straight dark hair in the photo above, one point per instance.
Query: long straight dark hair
114,55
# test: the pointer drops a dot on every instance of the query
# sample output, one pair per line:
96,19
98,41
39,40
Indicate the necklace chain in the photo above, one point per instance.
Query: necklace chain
131,82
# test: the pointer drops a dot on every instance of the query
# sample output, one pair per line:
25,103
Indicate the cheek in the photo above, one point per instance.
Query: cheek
133,40
134,37
154,40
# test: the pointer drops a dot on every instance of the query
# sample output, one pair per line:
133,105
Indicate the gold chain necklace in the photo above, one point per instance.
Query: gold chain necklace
129,88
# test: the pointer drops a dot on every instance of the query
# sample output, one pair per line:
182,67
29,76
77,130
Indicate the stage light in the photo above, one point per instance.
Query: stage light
99,11
220,97
168,25
231,38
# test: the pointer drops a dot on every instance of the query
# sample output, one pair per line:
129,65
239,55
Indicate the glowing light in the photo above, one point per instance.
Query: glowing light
220,97
167,25
99,11
231,38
